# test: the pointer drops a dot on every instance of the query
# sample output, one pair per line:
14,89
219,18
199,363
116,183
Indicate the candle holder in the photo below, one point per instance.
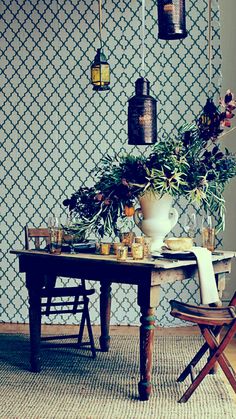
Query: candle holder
105,248
121,252
114,247
127,238
147,242
137,251
139,239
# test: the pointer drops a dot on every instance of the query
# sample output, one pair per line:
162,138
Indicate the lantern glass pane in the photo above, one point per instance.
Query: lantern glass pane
105,73
95,74
100,74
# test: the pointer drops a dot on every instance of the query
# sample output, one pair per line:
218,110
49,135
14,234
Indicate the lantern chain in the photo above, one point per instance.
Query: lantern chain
100,22
142,72
210,46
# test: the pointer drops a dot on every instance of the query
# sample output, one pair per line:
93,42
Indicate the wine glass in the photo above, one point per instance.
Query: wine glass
71,231
55,234
190,225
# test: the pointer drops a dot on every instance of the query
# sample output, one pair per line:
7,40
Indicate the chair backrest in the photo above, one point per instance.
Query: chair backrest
39,236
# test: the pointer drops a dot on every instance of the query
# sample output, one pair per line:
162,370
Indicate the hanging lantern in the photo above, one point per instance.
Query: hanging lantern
171,19
100,70
142,115
142,108
209,121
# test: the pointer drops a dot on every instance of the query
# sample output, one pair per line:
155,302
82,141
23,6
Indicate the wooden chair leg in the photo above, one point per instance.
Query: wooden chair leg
48,305
86,318
217,355
90,333
197,357
217,351
81,329
192,363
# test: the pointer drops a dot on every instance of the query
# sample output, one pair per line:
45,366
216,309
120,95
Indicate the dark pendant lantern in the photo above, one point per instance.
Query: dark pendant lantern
210,118
142,115
100,70
209,121
142,108
171,19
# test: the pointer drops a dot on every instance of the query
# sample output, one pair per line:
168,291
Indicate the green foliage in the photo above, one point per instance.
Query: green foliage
187,165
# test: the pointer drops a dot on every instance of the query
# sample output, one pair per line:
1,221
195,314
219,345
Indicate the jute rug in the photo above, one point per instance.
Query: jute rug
73,385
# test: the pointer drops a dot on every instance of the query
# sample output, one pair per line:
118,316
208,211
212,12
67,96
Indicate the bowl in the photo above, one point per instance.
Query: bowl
179,243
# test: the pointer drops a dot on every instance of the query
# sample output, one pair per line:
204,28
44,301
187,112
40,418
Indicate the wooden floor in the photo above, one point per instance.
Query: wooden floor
116,330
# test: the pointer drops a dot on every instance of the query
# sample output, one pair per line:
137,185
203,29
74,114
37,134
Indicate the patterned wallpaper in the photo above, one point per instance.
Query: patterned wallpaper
55,128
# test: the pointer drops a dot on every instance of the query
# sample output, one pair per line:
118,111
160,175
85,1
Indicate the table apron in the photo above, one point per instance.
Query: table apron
126,274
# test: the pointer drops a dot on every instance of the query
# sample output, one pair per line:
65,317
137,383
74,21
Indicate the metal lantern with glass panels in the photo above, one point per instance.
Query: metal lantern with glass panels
100,72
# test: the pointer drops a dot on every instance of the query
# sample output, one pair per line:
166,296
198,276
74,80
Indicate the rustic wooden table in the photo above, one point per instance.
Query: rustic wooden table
147,274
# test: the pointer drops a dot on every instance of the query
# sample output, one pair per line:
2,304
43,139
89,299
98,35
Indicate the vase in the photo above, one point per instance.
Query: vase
156,217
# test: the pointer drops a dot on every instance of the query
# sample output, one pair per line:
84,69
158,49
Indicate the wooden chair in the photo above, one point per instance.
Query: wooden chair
210,320
62,300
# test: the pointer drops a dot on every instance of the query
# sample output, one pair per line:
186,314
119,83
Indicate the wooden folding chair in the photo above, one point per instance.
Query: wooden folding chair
62,300
210,320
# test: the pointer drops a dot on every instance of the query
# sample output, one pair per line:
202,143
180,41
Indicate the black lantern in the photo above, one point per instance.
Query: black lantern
209,121
142,115
100,72
171,19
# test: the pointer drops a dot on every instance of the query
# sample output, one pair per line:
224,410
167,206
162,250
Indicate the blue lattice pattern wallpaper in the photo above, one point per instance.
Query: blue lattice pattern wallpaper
55,128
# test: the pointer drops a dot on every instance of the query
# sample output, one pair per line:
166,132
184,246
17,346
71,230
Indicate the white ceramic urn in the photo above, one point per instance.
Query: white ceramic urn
156,217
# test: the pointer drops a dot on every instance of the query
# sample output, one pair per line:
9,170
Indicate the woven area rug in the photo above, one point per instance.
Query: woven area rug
73,385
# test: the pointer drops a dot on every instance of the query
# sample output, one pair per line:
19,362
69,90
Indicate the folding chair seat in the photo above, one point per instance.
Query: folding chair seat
210,320
62,300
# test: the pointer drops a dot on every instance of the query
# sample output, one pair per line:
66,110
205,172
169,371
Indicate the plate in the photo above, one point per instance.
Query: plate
177,254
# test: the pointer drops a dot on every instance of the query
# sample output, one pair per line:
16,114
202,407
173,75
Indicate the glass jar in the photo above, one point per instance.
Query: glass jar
137,251
121,252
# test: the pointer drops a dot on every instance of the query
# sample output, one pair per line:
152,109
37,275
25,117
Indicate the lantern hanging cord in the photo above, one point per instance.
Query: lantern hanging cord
210,45
100,22
143,38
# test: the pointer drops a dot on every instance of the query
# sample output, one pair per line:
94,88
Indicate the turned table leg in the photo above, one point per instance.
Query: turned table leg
148,301
34,286
146,349
105,314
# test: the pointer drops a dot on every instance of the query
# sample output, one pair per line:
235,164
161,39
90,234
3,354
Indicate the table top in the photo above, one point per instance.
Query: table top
164,263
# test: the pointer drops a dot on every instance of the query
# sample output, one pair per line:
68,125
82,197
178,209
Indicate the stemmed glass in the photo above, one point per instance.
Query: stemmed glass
70,228
55,234
190,225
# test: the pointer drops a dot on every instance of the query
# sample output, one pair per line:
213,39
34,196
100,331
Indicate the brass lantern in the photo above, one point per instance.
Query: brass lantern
142,115
100,72
171,19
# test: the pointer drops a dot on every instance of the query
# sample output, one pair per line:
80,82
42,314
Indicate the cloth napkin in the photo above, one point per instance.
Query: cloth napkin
207,282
